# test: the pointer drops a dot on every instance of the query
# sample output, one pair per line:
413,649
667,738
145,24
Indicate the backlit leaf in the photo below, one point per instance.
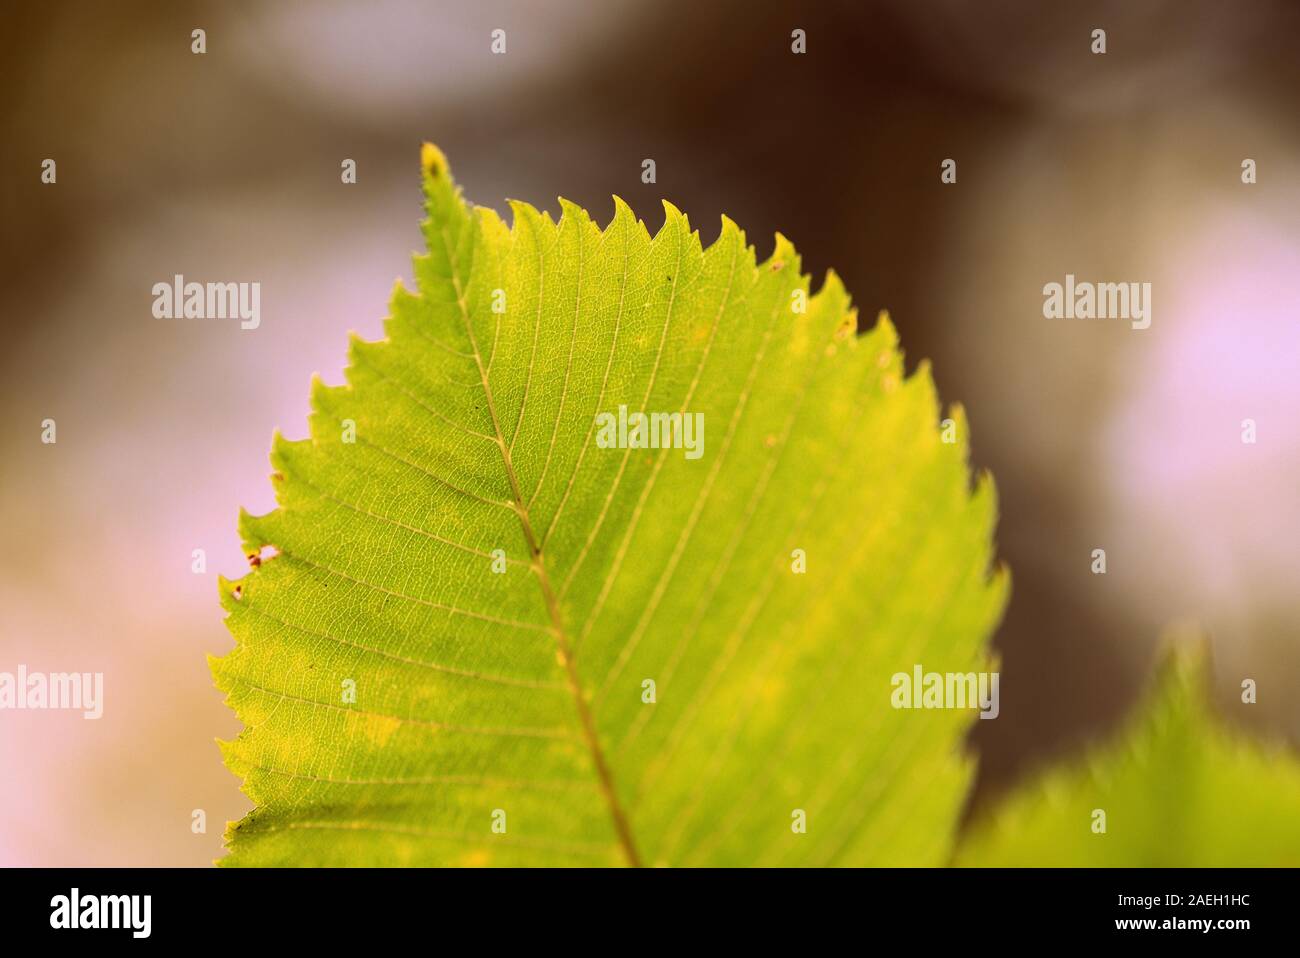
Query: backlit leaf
405,703
1178,788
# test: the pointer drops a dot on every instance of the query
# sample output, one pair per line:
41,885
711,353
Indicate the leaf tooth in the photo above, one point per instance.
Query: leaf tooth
623,214
361,353
675,221
986,493
493,226
226,590
625,218
570,209
830,320
401,301
234,757
846,330
922,379
525,212
732,232
326,405
784,258
961,428
728,247
252,532
284,456
831,291
885,330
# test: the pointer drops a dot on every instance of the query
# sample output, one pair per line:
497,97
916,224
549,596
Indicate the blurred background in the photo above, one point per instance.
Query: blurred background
225,166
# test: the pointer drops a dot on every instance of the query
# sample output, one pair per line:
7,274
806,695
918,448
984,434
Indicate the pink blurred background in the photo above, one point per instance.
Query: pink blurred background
226,167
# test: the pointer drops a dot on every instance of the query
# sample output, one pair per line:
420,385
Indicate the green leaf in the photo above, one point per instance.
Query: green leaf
485,698
1178,786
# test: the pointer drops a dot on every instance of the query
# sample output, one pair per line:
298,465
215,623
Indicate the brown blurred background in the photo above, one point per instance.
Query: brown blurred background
225,166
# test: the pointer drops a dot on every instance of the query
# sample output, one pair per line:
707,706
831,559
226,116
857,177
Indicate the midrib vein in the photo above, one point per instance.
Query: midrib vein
621,825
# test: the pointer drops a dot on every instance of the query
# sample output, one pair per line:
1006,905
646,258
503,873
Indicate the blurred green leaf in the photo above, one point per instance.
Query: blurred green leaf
502,717
1179,788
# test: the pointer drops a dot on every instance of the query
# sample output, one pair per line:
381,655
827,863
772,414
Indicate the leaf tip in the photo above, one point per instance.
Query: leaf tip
433,163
